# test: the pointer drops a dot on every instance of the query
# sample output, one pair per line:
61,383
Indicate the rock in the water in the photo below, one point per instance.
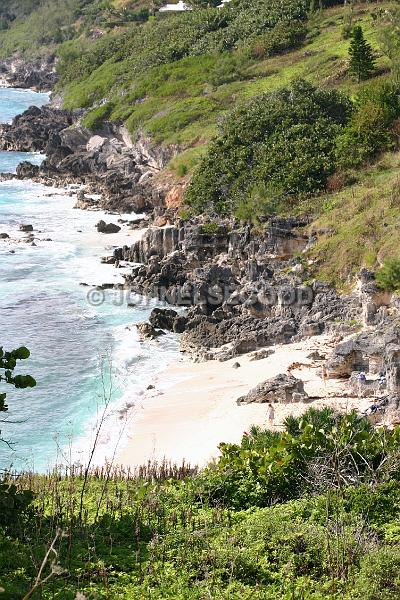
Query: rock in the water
281,388
163,318
108,260
31,131
103,227
85,203
26,228
4,236
148,332
27,170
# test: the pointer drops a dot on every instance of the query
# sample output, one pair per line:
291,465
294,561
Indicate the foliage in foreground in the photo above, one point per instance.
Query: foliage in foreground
8,363
164,534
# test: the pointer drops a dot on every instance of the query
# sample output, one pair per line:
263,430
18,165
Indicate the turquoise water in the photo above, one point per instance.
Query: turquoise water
43,306
14,102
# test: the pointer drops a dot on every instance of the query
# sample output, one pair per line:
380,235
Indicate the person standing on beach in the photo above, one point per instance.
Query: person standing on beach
324,374
271,415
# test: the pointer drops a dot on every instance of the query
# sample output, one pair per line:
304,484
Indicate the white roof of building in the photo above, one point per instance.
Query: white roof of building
179,7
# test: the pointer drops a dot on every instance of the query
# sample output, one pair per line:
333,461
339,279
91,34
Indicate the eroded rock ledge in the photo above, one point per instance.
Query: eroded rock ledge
39,75
120,171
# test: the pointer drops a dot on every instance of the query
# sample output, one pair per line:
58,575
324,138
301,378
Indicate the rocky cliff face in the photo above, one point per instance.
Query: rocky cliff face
121,171
31,131
39,75
240,288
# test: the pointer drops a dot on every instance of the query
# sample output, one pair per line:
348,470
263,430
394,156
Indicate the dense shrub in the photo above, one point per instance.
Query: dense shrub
282,142
203,31
320,451
369,130
157,535
379,577
283,37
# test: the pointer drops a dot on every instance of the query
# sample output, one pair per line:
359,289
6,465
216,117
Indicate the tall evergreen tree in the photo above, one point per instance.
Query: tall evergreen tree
361,55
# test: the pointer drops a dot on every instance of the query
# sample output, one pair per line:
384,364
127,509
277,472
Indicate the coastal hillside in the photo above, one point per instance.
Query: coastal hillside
193,84
208,199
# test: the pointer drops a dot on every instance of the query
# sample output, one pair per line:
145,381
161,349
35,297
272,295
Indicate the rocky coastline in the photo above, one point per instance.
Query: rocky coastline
231,289
39,75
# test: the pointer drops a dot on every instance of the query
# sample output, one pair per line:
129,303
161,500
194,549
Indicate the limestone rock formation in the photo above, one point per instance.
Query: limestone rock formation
282,388
103,227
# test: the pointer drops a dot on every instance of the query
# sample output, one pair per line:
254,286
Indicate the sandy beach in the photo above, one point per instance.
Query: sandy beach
192,408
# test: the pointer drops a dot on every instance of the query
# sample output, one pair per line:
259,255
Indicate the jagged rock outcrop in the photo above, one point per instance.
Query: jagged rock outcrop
26,170
236,292
392,359
31,131
370,351
281,239
374,300
39,75
163,318
148,332
122,172
103,227
282,388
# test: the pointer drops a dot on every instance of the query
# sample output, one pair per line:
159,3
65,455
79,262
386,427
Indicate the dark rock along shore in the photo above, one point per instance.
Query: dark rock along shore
241,291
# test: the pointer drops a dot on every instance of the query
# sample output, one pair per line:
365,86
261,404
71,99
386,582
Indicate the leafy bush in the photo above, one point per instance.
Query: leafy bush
320,450
95,118
283,37
203,31
13,503
388,276
283,141
379,577
368,132
210,228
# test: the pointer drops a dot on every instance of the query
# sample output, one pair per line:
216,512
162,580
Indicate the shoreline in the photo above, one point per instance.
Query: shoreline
193,409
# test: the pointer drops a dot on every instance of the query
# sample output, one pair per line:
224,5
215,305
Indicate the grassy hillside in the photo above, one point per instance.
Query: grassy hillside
36,27
362,221
180,100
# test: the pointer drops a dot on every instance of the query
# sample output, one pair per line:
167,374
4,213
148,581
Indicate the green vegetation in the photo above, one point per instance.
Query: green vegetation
251,526
283,141
359,221
37,27
180,78
260,101
388,276
8,363
361,55
372,127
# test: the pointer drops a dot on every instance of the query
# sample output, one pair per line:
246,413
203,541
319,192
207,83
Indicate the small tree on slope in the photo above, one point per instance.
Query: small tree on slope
361,55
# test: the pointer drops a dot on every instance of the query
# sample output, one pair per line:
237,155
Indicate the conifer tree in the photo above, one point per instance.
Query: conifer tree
361,55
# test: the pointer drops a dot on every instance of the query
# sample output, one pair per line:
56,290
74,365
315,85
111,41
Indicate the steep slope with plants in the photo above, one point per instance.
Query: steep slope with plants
309,513
209,91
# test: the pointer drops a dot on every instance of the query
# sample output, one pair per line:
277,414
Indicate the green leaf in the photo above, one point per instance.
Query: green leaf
22,353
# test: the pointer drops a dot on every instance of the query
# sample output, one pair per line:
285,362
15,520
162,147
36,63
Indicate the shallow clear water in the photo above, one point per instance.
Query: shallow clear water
43,306
13,102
